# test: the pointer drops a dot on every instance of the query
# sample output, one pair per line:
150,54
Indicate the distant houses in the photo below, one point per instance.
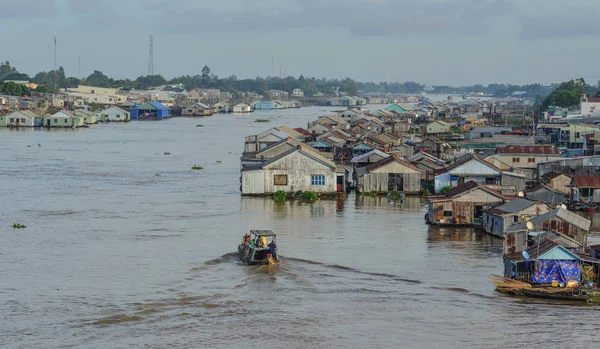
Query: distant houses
63,119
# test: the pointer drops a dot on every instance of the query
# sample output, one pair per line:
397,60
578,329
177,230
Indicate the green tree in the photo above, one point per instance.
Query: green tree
98,79
567,94
206,73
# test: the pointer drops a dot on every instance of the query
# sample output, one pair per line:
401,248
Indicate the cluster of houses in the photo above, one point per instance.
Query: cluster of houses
64,118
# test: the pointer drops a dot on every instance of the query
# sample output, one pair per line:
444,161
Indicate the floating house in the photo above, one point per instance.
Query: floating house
586,188
221,107
548,262
197,109
389,174
497,220
559,182
463,205
569,226
63,118
89,118
150,110
546,194
242,108
114,114
21,118
298,169
371,157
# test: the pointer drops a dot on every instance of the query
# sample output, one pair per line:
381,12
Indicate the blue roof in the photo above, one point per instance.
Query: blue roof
159,105
321,144
363,146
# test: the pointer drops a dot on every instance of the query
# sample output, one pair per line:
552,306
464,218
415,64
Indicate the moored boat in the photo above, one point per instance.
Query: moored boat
259,248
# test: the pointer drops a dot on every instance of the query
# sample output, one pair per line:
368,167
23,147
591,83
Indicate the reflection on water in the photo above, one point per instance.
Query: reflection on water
128,247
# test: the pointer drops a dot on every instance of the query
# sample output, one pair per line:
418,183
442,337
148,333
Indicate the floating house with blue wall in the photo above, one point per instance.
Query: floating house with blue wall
149,110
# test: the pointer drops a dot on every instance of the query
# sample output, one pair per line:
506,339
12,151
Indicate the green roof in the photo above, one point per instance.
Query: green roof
492,145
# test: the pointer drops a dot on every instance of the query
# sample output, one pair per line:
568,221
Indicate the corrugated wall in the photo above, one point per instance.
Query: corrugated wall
253,182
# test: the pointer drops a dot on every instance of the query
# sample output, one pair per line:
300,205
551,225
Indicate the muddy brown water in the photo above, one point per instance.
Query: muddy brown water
128,247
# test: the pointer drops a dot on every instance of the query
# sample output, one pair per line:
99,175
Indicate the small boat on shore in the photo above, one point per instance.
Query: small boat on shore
259,248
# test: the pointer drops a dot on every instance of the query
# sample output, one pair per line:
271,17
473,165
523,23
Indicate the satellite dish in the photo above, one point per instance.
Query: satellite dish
520,194
525,255
529,225
563,206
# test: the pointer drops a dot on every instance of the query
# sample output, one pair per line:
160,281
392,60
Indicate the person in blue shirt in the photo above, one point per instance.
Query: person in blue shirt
273,249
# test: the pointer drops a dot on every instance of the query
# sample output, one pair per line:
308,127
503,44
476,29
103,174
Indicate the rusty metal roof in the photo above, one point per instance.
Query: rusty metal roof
386,161
587,181
533,150
465,187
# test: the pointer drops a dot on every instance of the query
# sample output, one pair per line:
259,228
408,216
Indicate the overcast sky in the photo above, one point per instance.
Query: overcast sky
455,42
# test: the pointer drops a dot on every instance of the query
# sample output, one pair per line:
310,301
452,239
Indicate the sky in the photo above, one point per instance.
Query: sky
434,42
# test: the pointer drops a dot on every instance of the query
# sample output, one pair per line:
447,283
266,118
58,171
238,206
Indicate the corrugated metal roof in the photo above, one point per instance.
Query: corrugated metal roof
587,181
388,160
365,155
534,150
545,246
514,206
563,214
465,187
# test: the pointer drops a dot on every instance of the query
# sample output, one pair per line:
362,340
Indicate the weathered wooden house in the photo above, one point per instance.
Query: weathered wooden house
389,174
586,188
426,163
463,205
369,158
497,220
559,182
544,193
298,169
570,229
471,167
197,109
221,107
63,119
271,136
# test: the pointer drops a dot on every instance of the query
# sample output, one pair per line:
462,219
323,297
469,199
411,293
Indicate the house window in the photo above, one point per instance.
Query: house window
66,121
92,91
12,120
531,160
447,213
577,134
22,121
55,121
280,180
516,159
317,180
515,219
118,116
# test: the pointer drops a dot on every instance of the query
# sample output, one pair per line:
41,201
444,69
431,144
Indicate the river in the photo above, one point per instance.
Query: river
127,247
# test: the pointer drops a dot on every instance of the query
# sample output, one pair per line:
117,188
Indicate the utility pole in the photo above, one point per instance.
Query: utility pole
151,57
272,66
54,90
79,68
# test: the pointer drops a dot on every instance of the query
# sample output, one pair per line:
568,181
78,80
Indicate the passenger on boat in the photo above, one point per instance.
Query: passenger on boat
273,249
246,239
259,242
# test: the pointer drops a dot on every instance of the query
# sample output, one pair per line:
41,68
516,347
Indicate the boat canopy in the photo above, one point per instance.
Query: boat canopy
263,233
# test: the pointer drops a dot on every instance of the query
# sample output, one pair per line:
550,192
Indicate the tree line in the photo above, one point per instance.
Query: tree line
566,94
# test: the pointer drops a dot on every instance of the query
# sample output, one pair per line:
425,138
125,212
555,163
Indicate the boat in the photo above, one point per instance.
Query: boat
255,249
589,208
512,287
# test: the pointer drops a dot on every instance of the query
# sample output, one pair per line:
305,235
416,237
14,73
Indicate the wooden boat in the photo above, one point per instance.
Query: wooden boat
256,248
518,288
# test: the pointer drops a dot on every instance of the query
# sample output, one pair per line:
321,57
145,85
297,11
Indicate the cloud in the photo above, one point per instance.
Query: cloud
360,17
568,22
31,8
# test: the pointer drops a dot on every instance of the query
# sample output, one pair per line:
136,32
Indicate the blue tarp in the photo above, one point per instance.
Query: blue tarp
547,271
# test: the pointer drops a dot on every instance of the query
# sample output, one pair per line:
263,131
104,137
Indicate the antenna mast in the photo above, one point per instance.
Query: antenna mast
54,90
151,57
79,68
